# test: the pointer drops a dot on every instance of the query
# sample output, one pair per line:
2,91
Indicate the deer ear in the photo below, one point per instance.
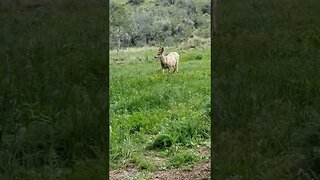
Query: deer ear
162,49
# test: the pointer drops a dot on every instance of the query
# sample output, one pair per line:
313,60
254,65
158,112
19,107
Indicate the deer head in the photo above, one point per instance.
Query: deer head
160,53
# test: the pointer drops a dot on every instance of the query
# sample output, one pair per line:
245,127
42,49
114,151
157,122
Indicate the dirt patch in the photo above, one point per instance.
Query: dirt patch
120,174
156,159
201,171
204,151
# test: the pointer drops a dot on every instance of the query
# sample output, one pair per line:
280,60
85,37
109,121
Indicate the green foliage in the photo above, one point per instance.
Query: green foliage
206,9
142,163
164,2
52,95
183,158
152,112
266,90
135,2
168,22
118,21
161,141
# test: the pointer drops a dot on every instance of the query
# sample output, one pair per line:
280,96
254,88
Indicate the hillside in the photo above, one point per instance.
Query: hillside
139,23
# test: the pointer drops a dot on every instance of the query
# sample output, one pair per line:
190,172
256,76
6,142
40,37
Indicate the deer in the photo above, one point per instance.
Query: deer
169,61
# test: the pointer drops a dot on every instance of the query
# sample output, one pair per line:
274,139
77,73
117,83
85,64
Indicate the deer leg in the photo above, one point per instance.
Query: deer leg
176,68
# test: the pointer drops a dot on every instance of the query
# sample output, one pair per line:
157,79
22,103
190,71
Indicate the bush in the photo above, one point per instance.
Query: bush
152,43
195,42
206,9
200,20
176,19
125,40
191,8
204,32
164,2
135,2
169,41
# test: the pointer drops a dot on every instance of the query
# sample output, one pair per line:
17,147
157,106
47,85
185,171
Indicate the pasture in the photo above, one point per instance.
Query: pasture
158,121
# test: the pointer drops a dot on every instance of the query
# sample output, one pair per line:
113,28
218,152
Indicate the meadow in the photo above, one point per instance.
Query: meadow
266,90
159,121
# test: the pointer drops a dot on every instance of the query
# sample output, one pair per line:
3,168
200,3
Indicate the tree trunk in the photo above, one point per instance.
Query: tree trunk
119,39
148,38
134,39
119,44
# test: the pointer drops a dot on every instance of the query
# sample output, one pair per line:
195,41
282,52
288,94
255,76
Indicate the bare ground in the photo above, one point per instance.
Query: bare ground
199,171
120,174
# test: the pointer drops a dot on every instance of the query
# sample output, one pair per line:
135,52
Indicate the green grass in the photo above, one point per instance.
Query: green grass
53,90
183,158
266,90
155,112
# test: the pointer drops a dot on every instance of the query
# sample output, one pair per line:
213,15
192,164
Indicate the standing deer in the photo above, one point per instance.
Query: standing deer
169,61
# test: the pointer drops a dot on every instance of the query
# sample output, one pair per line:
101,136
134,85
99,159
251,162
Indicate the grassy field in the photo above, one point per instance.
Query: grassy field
53,89
267,90
159,121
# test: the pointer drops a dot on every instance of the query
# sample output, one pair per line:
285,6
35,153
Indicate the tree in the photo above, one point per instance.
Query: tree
173,21
118,23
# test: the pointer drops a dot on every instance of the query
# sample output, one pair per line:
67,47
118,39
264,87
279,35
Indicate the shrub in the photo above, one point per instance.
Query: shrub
191,8
125,40
135,2
169,41
206,9
164,2
195,42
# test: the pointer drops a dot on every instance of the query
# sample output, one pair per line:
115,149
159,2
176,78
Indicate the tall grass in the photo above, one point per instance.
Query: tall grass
150,110
266,90
53,90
